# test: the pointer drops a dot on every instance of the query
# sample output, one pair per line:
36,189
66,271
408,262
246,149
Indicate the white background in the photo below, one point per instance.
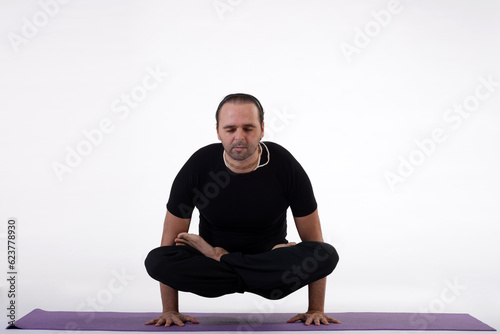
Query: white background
349,118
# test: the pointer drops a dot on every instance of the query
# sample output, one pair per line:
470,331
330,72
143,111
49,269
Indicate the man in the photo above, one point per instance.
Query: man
242,190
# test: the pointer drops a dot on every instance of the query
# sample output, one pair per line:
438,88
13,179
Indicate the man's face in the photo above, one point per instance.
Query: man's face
239,129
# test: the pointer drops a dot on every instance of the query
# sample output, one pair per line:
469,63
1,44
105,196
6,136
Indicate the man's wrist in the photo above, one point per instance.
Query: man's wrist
315,309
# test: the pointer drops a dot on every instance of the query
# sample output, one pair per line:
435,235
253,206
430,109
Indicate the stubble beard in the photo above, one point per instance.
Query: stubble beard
245,154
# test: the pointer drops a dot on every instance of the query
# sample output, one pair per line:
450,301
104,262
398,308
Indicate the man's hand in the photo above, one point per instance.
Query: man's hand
172,318
201,245
290,244
314,317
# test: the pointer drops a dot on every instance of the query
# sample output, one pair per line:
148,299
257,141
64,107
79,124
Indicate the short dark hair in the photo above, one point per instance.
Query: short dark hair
241,98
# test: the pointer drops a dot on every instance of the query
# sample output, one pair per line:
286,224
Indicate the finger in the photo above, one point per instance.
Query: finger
160,322
192,320
180,238
168,322
332,320
294,319
182,235
182,242
309,321
178,322
317,321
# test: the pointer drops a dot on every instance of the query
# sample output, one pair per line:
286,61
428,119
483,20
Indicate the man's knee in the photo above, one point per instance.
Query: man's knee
153,263
318,260
330,254
325,255
160,261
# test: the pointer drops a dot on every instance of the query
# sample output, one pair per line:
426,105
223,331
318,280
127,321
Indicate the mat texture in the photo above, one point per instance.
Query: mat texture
247,322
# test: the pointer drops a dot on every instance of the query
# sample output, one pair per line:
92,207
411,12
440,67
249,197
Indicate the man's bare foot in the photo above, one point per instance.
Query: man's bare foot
201,245
290,244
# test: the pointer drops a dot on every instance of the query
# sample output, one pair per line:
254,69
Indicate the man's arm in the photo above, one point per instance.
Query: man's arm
309,228
170,297
172,227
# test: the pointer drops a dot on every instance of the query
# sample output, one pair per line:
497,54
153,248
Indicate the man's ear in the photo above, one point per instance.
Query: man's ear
217,130
262,135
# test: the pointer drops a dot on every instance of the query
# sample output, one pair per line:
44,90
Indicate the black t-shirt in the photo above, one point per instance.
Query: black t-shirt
242,212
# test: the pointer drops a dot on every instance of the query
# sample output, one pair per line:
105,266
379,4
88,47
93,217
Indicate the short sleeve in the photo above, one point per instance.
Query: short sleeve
300,192
181,200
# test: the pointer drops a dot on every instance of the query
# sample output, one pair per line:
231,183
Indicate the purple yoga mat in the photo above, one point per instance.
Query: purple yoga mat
247,322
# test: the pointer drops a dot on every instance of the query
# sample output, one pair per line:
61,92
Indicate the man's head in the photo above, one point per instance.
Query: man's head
240,98
240,125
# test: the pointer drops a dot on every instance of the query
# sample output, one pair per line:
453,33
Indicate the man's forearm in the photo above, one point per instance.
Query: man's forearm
169,298
171,229
317,292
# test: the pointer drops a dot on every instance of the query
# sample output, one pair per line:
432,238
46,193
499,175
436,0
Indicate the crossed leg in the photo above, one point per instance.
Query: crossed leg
195,266
206,249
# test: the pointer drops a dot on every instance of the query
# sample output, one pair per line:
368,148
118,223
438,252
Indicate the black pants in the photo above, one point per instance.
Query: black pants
273,274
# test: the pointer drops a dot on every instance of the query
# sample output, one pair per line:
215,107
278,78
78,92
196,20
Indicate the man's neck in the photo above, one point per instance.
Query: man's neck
243,166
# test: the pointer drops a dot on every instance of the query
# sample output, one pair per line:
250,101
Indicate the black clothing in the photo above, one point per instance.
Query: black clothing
273,274
242,212
246,215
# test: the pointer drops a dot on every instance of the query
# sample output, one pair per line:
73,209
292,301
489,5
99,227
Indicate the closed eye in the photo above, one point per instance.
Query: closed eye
246,128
